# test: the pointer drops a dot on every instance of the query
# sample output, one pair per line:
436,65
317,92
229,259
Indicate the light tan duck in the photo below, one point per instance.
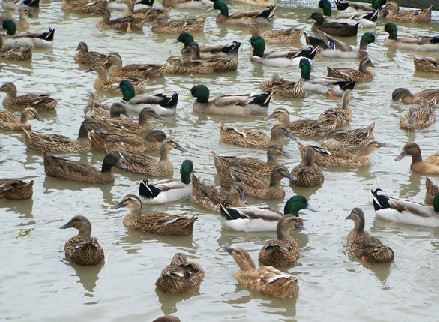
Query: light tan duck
253,165
278,36
154,222
266,279
82,249
180,276
405,96
426,64
420,117
432,190
11,122
349,139
163,25
81,172
15,189
395,14
210,197
307,173
360,75
283,87
428,165
22,24
39,102
59,143
144,14
83,56
15,53
83,6
365,246
134,71
126,24
95,109
341,115
252,138
283,251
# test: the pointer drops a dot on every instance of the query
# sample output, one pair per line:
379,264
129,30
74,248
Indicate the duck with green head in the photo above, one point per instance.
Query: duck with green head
342,29
243,17
365,20
416,42
348,7
332,47
26,39
229,50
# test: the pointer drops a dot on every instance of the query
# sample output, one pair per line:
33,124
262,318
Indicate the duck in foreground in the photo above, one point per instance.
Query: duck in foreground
407,15
26,39
169,190
409,42
420,117
39,102
264,17
14,189
428,165
426,64
405,96
15,53
11,122
266,279
406,211
82,249
154,222
365,246
180,276
307,173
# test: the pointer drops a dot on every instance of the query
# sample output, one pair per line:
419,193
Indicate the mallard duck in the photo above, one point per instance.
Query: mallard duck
210,197
82,249
349,139
230,104
59,143
136,71
350,7
251,218
15,53
277,58
10,121
147,165
14,4
261,17
278,36
97,110
307,173
126,24
180,276
364,19
229,50
428,165
105,115
39,102
120,5
22,23
15,189
409,42
26,39
266,279
283,87
257,2
407,15
244,137
332,47
170,190
81,172
431,192
83,56
360,75
333,28
365,246
163,25
405,96
253,165
342,115
426,64
420,117
160,103
154,222
83,6
187,4
283,251
144,14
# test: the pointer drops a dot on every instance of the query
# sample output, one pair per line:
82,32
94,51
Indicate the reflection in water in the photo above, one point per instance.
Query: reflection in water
88,276
413,187
169,301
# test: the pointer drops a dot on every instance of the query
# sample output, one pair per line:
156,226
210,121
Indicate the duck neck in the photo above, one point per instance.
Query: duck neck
164,153
195,54
102,74
436,202
272,157
319,20
24,118
135,211
363,44
85,230
363,66
185,177
106,168
283,230
259,50
275,180
106,16
224,10
417,157
83,133
308,158
143,119
275,134
11,92
393,34
359,225
305,72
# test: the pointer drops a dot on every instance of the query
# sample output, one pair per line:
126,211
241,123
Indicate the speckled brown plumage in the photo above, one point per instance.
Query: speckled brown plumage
307,173
426,64
144,14
163,25
431,192
14,189
83,56
136,71
283,87
83,6
11,122
15,53
341,115
349,139
420,117
405,96
126,24
360,75
39,102
395,14
279,36
167,318
95,109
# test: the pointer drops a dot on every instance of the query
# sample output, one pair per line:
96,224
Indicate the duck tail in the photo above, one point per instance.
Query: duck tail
268,13
169,102
262,99
434,40
231,48
47,35
379,201
148,191
344,85
32,3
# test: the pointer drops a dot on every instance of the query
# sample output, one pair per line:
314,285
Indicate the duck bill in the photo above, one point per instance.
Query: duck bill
291,177
289,135
228,249
180,148
120,165
242,198
119,205
159,117
210,9
188,96
37,117
269,117
381,30
89,70
300,226
381,145
286,154
402,155
99,129
311,208
65,226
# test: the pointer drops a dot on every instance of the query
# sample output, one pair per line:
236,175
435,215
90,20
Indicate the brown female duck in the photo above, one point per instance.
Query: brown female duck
83,6
432,190
11,122
126,24
163,25
426,64
279,36
135,71
360,75
144,14
15,53
264,17
420,117
283,87
105,115
395,14
307,173
82,249
39,102
365,246
14,189
83,56
350,139
342,115
405,96
428,165
332,28
95,109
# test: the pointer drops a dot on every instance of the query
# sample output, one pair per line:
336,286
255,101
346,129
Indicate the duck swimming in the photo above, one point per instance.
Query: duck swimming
428,165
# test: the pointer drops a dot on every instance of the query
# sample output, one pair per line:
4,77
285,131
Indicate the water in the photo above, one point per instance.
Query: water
37,284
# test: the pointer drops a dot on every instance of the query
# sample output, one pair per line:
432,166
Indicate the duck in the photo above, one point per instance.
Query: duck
229,104
15,53
416,42
187,4
332,47
38,102
144,14
160,103
22,23
119,5
342,115
405,96
11,122
365,246
360,75
126,24
254,218
83,6
428,165
365,20
80,172
209,197
181,276
85,57
349,7
16,189
431,192
167,318
14,4
260,17
349,139
278,36
307,173
229,50
395,14
169,190
425,64
26,39
280,59
341,29
265,279
82,249
97,110
420,117
283,251
252,138
163,25
134,71
147,165
283,87
43,142
154,222
255,166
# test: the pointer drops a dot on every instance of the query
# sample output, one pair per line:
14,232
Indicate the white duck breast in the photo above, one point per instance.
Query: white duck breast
139,102
170,190
250,218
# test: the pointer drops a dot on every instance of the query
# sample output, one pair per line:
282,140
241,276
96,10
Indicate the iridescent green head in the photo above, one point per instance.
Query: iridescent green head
10,27
377,4
258,44
436,202
187,167
221,6
201,92
185,38
326,7
392,30
127,90
296,203
305,69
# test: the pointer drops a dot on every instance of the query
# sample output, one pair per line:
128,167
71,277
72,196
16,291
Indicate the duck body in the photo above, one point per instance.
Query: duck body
428,165
15,53
405,96
125,24
187,4
85,57
134,71
260,17
249,218
82,6
350,139
228,50
360,75
365,20
342,29
426,64
144,14
419,118
130,142
432,190
395,14
279,36
26,39
162,25
409,42
332,47
307,173
39,102
14,189
11,122
283,87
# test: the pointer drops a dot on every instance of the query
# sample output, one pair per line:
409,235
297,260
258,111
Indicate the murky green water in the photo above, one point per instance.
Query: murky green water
36,284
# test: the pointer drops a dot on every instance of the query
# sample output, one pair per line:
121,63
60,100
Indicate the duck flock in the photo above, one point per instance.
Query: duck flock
126,124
